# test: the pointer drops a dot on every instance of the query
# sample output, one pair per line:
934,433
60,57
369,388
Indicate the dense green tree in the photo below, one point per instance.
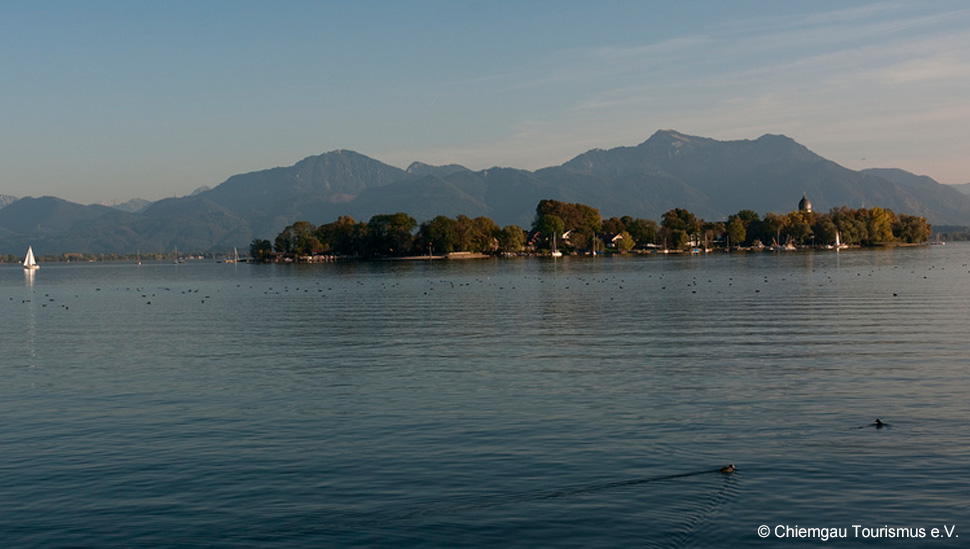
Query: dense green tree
573,216
744,227
550,226
879,223
511,239
300,239
260,250
580,239
772,226
712,231
284,242
344,236
682,220
484,235
643,231
799,226
737,231
851,229
675,239
614,225
680,226
390,234
747,216
464,233
911,229
439,235
445,235
824,230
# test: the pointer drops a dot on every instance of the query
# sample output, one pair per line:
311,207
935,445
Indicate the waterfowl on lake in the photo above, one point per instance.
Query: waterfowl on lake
878,424
728,469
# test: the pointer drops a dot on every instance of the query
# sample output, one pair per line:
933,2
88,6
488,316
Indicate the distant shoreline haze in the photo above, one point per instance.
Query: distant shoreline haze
711,179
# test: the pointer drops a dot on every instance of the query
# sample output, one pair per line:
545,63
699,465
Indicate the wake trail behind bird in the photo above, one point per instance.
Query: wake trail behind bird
486,502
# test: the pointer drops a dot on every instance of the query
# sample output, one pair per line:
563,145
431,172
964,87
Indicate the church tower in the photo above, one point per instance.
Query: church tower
804,205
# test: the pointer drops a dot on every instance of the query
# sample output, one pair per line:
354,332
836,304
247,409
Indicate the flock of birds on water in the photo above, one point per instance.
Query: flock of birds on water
662,282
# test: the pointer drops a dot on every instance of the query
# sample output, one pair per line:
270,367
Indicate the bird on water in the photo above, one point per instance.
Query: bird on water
728,469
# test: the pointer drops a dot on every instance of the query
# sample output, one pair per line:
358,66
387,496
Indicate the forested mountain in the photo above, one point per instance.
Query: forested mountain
711,178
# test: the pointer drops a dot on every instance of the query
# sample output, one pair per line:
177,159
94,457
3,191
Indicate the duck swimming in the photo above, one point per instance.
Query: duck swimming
728,469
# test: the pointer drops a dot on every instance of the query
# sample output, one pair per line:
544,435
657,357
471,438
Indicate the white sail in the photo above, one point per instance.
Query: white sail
29,262
838,241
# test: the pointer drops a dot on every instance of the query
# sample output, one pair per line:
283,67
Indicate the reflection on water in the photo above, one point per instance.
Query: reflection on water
575,401
30,318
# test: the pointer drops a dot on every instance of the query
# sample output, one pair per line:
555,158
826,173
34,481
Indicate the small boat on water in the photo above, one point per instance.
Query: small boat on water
838,243
232,259
29,263
555,248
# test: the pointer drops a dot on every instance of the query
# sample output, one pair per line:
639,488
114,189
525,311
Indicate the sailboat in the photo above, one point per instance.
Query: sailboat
838,242
29,263
555,249
234,258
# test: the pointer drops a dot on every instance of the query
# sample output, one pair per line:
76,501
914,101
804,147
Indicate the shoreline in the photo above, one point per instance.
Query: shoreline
453,256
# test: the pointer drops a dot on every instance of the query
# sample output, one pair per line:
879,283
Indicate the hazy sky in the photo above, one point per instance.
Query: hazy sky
110,100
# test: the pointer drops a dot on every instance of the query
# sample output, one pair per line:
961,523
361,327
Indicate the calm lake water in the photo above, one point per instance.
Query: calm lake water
578,402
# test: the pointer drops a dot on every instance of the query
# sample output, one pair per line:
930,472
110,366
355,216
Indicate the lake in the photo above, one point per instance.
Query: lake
576,402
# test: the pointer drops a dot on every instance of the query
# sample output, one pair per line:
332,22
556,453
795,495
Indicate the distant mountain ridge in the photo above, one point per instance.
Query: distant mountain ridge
963,188
132,206
711,178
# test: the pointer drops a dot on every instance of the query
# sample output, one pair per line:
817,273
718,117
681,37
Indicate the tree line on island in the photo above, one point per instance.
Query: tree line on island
578,229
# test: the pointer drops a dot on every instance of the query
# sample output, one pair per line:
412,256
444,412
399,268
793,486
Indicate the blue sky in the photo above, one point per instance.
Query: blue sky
106,101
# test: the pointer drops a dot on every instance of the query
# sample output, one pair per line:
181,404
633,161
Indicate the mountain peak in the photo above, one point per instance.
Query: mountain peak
782,145
778,139
676,143
671,133
673,136
422,169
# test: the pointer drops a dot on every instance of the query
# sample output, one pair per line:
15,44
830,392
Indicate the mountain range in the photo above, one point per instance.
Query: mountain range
711,178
